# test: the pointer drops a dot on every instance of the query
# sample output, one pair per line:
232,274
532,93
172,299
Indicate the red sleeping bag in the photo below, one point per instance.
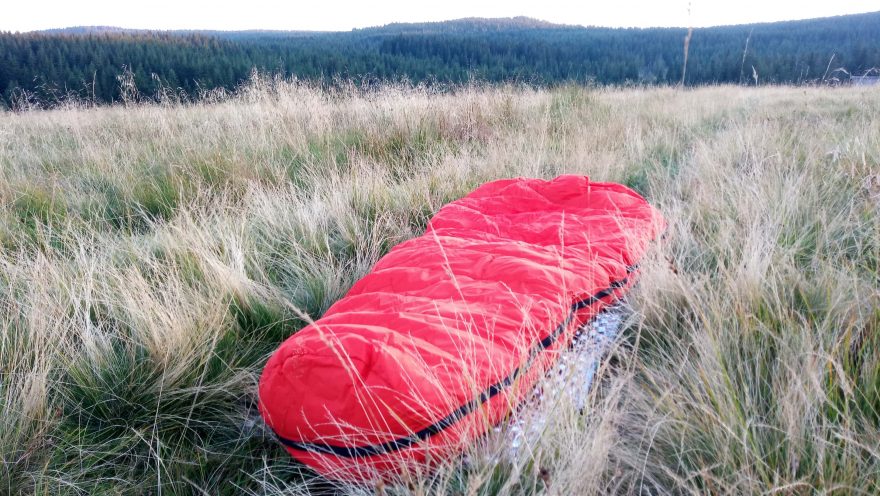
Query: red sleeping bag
450,330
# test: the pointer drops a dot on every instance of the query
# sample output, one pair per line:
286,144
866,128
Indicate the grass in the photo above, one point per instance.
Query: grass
154,255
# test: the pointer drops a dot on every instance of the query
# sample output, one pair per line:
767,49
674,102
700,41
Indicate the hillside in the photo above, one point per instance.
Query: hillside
470,24
86,62
154,255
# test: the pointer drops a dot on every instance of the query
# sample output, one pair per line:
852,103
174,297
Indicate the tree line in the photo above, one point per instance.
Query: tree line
89,62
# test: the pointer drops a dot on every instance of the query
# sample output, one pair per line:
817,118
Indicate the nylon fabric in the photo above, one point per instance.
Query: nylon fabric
450,330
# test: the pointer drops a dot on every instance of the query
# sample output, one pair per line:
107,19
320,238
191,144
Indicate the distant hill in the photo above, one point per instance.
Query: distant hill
468,24
86,61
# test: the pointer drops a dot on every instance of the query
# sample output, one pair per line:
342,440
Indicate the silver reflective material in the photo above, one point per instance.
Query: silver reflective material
567,384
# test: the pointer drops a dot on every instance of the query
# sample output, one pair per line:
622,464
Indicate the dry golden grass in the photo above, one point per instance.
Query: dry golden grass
152,256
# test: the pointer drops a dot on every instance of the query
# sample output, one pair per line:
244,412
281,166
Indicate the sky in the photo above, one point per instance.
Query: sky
343,15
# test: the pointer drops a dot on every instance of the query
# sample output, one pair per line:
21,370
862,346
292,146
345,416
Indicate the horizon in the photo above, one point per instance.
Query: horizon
509,18
344,16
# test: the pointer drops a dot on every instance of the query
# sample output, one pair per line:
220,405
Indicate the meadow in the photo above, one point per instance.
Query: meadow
153,255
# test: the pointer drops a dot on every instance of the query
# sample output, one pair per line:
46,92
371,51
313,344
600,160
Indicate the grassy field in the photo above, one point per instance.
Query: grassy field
152,256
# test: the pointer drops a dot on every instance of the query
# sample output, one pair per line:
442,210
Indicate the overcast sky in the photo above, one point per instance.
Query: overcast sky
343,15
